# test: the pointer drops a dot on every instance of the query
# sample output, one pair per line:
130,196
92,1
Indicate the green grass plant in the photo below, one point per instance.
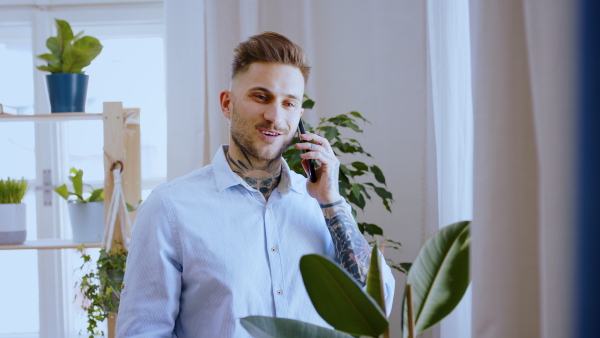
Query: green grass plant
12,191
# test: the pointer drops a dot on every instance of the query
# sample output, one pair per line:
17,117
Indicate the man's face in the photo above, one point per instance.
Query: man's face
264,106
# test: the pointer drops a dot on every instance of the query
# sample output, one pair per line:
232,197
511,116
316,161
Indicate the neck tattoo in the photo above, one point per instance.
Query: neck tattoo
264,179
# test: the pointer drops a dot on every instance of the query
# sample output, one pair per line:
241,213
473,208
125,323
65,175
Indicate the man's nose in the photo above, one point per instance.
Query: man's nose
274,112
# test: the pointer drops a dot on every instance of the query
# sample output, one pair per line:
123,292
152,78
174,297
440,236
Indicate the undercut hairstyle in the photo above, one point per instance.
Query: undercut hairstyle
269,47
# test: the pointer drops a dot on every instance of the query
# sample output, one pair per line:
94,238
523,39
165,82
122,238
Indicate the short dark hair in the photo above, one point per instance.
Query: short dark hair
269,47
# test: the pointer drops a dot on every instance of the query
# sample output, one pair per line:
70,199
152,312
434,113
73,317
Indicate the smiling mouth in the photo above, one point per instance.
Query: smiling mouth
270,133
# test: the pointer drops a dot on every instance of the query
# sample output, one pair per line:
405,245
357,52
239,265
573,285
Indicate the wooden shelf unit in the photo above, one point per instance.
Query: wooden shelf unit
55,117
48,244
121,143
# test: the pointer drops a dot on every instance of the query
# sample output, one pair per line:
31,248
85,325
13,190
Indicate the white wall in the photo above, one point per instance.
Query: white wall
371,57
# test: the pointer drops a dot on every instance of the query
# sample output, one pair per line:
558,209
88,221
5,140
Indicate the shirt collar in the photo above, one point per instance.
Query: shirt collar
225,177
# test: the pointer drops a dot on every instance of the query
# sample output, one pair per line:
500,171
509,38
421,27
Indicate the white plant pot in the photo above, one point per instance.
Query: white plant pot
87,221
13,228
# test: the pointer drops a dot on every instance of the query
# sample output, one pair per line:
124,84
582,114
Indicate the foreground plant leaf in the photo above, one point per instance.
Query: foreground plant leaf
339,299
269,327
439,276
374,280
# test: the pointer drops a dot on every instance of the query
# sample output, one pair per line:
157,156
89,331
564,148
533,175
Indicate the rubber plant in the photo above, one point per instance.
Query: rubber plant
358,180
438,279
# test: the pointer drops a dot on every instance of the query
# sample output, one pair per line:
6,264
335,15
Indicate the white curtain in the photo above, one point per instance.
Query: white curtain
450,71
523,104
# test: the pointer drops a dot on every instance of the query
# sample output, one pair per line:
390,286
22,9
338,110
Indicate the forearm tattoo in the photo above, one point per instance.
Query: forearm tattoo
351,248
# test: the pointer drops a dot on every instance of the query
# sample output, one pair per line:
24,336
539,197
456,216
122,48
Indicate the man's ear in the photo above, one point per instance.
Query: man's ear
301,112
226,104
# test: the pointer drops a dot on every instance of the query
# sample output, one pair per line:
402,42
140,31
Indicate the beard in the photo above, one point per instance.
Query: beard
241,133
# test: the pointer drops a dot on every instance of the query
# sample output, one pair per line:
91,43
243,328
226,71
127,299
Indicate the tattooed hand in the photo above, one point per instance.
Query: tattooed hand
326,189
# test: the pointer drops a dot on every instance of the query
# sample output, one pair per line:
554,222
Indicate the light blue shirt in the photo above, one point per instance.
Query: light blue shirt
207,250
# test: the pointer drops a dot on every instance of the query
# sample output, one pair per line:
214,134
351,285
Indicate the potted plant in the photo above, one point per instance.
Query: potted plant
100,286
13,228
436,283
86,213
69,54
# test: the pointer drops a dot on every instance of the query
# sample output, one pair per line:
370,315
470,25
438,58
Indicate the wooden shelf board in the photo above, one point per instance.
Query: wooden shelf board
54,117
48,244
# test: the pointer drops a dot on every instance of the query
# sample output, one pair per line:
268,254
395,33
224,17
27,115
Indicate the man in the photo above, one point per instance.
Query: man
224,242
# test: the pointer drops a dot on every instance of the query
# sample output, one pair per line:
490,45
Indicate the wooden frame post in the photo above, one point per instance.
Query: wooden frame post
121,143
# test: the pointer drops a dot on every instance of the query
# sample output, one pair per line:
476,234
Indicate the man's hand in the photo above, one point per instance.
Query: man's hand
326,189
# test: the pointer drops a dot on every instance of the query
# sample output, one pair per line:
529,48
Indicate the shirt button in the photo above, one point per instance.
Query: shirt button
273,249
279,292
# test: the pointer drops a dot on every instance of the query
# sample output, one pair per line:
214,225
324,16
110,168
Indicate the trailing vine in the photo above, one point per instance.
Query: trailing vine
100,286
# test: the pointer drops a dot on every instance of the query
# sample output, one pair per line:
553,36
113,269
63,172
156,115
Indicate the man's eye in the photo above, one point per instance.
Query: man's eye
261,97
290,104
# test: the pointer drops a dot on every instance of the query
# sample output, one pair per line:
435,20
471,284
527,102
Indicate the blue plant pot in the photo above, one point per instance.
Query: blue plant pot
67,92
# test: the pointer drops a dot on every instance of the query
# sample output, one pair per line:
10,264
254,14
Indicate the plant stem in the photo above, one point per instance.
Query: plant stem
411,323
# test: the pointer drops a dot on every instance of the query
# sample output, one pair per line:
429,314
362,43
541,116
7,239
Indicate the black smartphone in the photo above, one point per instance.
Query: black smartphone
311,163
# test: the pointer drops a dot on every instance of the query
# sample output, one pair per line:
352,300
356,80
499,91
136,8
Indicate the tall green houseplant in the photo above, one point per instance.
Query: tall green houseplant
359,181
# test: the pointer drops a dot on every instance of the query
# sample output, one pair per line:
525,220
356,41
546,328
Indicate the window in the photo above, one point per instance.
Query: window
38,295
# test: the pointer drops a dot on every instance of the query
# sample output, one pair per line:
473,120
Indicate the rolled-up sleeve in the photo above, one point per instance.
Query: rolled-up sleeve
152,285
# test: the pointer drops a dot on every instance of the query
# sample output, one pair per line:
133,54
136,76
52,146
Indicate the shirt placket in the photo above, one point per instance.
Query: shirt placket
275,257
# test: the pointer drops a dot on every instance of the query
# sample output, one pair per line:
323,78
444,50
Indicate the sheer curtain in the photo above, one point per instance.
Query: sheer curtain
450,72
523,102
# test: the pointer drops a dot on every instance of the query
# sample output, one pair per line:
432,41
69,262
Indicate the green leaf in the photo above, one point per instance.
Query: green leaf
64,35
372,229
63,191
88,45
77,179
360,166
339,299
54,46
97,195
75,59
356,190
131,208
357,114
269,327
406,266
51,69
383,193
330,132
48,57
359,202
439,275
378,174
308,104
374,279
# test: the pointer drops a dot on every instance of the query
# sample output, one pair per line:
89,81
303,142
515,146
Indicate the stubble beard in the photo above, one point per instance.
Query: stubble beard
239,134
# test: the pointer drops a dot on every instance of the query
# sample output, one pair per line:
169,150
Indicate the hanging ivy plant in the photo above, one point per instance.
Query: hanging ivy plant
359,181
100,286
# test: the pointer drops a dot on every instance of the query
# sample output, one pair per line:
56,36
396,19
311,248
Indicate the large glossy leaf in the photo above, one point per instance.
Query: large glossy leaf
439,275
374,280
339,299
269,327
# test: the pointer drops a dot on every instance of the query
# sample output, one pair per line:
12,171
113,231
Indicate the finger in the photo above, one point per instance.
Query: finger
317,140
311,147
325,158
